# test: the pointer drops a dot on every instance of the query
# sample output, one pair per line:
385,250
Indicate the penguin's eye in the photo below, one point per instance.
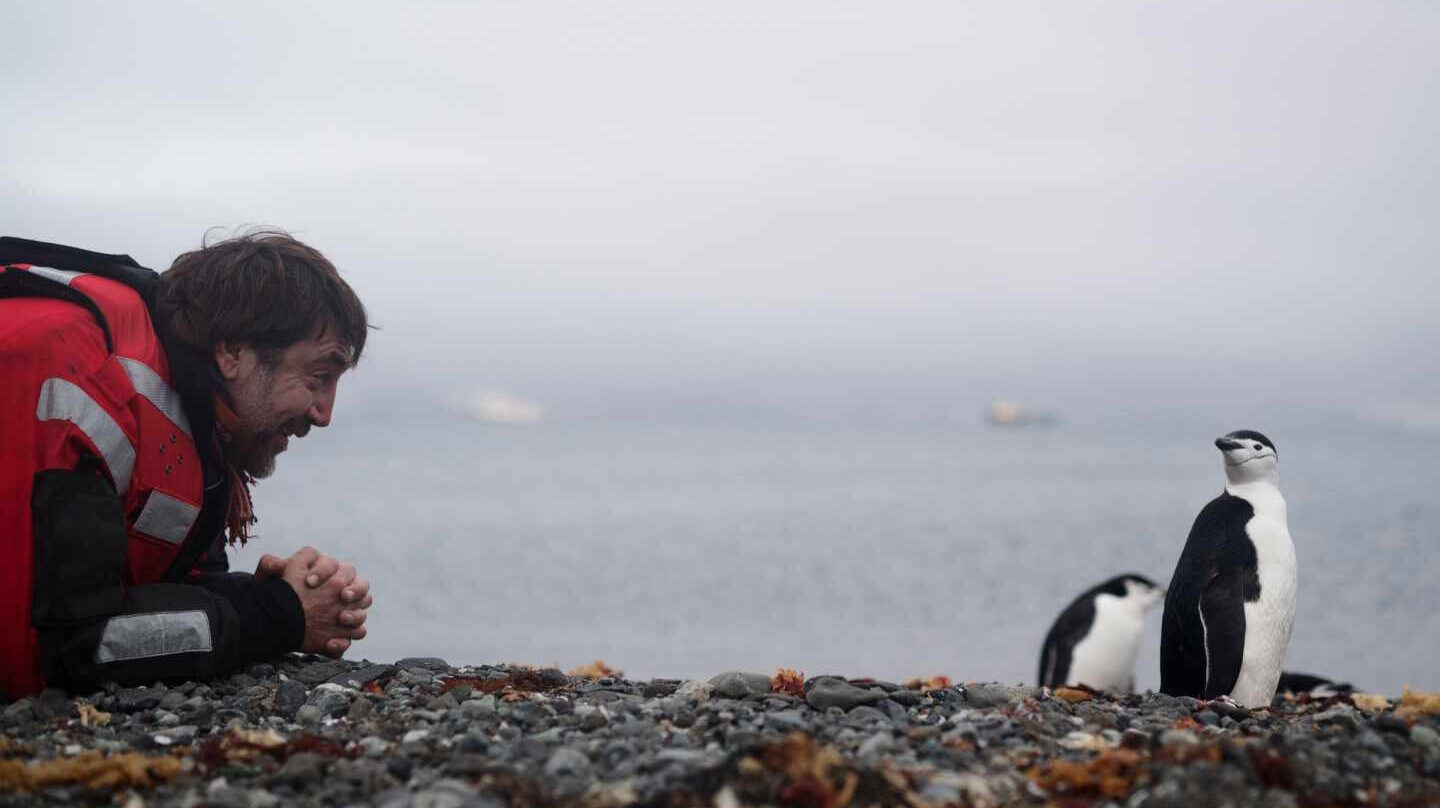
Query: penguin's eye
1257,447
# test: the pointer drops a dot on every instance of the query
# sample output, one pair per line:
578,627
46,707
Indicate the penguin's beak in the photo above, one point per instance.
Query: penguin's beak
1226,444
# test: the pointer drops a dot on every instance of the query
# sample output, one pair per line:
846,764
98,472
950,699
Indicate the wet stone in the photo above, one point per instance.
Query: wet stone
432,664
984,696
320,672
330,700
289,696
826,692
739,684
20,712
135,699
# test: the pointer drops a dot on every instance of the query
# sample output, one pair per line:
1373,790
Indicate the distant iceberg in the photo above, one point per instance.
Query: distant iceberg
1005,413
495,407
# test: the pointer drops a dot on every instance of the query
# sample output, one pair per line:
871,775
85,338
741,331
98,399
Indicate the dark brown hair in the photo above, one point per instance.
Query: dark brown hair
263,288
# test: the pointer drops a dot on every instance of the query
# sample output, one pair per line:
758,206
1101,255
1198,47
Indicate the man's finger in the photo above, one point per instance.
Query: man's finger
343,576
269,565
337,646
358,590
353,617
320,571
358,633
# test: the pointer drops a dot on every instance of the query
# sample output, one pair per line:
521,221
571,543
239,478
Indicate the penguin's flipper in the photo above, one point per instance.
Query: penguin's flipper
1222,617
1070,628
1184,661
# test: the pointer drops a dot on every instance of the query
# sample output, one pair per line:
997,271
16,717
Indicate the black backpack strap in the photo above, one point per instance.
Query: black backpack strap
120,268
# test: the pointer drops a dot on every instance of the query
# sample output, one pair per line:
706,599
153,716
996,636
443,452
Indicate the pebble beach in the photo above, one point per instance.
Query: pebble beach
420,733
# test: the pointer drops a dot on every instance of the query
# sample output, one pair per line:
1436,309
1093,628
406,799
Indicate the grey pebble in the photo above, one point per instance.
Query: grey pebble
567,761
826,692
435,664
739,684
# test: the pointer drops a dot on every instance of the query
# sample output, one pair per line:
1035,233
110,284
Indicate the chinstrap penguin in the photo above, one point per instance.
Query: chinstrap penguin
1095,640
1231,602
1310,684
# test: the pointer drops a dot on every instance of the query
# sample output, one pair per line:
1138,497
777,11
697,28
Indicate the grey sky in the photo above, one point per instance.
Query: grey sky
930,199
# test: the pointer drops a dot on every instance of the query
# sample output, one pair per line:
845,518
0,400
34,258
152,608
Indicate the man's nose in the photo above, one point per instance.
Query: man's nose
321,410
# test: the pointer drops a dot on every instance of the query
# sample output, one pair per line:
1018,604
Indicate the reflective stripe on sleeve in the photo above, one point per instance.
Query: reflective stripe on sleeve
141,636
166,518
149,384
58,275
62,400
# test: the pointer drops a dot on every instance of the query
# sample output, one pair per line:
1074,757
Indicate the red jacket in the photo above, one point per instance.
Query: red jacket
107,569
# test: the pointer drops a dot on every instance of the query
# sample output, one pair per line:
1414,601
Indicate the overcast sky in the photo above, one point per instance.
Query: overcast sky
1059,201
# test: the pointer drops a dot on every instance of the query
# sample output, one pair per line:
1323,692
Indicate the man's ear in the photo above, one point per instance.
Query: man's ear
234,360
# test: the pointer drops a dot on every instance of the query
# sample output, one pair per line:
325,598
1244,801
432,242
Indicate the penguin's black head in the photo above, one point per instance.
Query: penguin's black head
1247,454
1139,591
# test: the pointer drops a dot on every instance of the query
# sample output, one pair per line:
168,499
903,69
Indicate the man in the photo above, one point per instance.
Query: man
136,410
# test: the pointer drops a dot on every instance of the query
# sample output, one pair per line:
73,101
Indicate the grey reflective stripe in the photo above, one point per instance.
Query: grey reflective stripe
149,384
62,400
58,275
140,636
166,518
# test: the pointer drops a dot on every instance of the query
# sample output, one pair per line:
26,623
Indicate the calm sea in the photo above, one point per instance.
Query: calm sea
683,552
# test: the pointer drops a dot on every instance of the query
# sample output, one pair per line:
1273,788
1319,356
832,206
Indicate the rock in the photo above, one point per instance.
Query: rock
400,767
331,700
176,735
984,696
478,709
865,714
21,712
362,676
697,691
785,720
1229,709
53,704
591,717
444,701
688,758
1179,739
308,714
826,692
738,684
135,699
432,664
359,708
659,688
876,745
1428,739
567,761
289,696
446,793
373,747
1341,715
300,768
321,672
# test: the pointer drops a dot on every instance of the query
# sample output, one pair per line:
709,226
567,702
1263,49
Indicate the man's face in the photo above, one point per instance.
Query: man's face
276,402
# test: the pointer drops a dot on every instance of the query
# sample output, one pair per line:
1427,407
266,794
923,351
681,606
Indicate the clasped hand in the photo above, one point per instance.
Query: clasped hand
335,598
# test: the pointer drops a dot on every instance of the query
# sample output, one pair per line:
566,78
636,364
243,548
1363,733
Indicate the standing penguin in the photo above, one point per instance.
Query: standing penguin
1095,640
1231,602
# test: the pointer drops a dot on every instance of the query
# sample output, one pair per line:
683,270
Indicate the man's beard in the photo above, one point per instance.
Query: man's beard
253,448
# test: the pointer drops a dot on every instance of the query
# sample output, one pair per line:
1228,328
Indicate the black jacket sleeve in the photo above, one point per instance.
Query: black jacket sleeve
94,629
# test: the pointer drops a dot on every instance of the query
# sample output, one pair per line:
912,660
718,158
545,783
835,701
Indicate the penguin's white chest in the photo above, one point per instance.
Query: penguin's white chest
1269,619
1105,658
